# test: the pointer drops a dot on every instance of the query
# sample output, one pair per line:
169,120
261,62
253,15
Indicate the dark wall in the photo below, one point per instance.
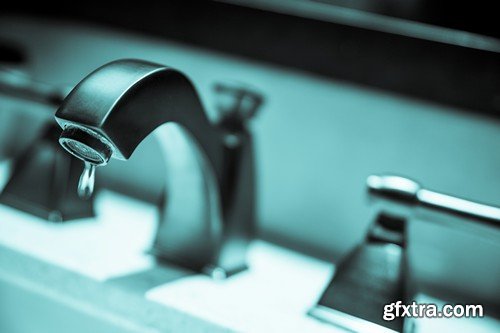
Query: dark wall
467,77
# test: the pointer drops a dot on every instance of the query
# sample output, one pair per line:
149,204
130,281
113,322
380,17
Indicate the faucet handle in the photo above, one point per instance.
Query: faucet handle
17,83
237,102
43,180
403,190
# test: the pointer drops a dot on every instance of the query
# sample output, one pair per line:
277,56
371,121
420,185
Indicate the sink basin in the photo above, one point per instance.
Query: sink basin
39,297
25,309
61,277
51,280
97,272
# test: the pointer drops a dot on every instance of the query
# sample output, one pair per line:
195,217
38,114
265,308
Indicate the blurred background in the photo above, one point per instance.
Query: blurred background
351,88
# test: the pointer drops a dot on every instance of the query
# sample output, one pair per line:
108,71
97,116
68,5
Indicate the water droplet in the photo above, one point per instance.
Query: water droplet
87,180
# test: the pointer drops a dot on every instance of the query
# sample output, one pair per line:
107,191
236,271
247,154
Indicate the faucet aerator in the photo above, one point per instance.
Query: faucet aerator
86,145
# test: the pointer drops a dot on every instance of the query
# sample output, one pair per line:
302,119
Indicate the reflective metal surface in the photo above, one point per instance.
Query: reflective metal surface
366,279
208,210
452,242
411,192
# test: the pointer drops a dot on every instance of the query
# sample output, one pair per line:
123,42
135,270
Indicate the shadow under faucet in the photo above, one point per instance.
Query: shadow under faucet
207,216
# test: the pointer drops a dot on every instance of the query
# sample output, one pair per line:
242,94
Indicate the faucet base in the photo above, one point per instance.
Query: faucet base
368,278
214,271
43,182
219,273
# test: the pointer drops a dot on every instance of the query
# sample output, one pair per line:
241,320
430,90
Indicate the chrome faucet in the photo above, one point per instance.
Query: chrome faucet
207,215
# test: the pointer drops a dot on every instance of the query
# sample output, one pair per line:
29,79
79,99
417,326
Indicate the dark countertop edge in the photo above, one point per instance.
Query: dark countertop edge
446,73
323,11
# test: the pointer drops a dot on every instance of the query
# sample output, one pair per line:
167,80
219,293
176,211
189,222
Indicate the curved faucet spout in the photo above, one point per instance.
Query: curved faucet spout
207,217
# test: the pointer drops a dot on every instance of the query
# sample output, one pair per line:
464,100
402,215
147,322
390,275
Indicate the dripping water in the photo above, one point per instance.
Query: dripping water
87,180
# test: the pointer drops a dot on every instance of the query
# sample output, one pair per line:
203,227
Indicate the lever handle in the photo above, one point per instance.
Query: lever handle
408,191
18,84
237,101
